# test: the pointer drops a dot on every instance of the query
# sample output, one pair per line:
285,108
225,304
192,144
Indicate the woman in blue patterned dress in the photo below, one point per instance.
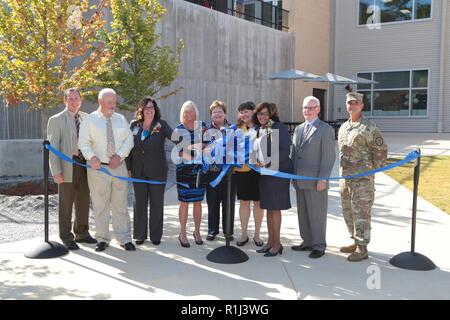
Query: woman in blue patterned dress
190,134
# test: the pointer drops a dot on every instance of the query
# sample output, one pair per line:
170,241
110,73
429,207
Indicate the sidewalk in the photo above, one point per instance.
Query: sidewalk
169,271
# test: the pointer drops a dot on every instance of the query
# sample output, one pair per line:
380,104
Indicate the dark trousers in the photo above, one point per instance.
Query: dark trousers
215,197
74,193
144,195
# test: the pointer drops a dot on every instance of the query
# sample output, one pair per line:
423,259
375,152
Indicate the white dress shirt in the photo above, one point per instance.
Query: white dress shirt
92,139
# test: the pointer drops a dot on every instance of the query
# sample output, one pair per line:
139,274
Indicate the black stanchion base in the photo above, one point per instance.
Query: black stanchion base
227,255
412,261
47,250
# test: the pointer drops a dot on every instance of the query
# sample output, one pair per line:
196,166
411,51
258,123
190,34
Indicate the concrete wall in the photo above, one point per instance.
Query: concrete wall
225,58
21,157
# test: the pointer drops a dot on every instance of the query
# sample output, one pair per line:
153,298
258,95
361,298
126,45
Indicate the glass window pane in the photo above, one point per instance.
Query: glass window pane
422,9
367,102
395,10
391,103
388,80
267,14
420,79
367,76
363,14
419,102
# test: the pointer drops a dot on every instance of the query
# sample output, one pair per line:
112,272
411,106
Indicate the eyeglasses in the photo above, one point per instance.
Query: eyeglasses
352,102
309,108
266,114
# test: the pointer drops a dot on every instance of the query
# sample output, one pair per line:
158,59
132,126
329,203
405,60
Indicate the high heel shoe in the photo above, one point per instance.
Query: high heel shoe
273,254
199,242
183,244
264,250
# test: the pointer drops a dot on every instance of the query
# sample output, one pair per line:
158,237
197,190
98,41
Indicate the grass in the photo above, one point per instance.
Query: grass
434,180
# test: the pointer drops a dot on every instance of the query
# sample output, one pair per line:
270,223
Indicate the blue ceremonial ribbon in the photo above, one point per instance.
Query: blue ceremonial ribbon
409,157
104,170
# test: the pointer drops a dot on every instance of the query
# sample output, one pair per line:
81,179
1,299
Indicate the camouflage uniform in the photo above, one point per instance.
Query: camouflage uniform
361,148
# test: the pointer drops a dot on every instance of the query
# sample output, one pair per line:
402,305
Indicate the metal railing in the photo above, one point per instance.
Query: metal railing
258,11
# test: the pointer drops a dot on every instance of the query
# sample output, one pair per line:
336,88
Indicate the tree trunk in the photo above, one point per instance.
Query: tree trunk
44,121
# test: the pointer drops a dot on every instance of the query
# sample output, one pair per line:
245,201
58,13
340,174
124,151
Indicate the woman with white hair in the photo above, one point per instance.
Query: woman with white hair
190,146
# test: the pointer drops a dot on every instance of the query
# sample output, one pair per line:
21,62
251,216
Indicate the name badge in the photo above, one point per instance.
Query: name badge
135,131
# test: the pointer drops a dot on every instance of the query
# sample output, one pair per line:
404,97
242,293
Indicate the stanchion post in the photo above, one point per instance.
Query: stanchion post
48,249
412,260
45,185
228,213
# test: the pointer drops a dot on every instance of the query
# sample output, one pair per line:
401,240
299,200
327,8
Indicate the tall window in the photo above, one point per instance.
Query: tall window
393,10
395,93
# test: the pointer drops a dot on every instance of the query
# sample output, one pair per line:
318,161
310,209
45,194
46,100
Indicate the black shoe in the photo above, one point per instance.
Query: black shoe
128,246
183,244
263,250
199,242
156,242
101,246
302,247
87,239
139,242
273,254
241,243
210,237
71,245
316,254
258,243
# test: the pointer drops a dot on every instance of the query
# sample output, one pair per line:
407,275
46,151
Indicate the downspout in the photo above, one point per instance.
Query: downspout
442,65
332,56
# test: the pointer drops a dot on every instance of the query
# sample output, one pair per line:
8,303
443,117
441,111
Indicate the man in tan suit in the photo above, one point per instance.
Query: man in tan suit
63,132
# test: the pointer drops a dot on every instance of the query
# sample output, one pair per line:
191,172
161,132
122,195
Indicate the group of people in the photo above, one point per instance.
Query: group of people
105,139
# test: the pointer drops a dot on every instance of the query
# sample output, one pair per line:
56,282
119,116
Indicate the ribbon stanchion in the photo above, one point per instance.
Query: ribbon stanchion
412,260
48,249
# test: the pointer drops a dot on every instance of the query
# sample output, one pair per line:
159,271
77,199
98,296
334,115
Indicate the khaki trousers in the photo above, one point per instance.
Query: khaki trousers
108,193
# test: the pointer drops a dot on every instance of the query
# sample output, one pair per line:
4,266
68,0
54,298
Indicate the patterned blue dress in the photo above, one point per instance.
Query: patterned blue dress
187,172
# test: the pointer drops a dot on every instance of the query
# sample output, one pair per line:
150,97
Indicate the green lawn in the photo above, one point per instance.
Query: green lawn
434,181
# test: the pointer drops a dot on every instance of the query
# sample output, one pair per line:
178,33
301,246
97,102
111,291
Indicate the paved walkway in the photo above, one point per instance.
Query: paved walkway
169,271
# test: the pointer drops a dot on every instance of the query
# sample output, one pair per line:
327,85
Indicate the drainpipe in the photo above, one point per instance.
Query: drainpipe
443,64
332,58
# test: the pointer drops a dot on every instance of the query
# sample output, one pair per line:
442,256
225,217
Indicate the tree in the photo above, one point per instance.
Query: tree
139,66
47,46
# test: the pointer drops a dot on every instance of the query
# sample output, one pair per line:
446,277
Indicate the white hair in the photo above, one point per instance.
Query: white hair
104,92
309,99
188,104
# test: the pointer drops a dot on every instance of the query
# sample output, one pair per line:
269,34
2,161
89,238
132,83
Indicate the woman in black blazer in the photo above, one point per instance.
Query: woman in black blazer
274,192
147,160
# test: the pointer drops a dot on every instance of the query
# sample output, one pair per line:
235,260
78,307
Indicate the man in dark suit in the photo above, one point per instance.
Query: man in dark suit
313,155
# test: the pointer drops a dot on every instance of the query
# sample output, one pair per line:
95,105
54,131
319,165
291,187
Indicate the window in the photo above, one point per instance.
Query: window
395,93
383,11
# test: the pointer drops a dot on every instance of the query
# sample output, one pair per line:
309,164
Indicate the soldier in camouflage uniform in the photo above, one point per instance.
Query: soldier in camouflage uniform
361,148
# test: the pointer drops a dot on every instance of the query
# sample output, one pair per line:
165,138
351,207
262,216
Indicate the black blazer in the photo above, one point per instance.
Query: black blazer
285,162
147,159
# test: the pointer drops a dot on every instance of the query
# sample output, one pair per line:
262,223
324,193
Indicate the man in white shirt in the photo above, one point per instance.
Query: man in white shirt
105,141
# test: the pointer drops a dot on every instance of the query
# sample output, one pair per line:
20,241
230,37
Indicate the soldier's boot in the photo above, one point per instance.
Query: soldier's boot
348,249
360,253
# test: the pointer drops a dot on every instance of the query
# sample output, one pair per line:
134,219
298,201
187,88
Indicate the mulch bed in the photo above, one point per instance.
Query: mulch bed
28,188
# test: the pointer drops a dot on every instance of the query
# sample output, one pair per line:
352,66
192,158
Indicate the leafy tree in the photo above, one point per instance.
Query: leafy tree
47,46
139,66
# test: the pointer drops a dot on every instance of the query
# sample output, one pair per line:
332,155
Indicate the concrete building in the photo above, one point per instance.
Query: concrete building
404,46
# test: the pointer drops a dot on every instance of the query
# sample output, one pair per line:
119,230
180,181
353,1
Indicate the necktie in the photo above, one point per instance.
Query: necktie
305,131
77,126
110,145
